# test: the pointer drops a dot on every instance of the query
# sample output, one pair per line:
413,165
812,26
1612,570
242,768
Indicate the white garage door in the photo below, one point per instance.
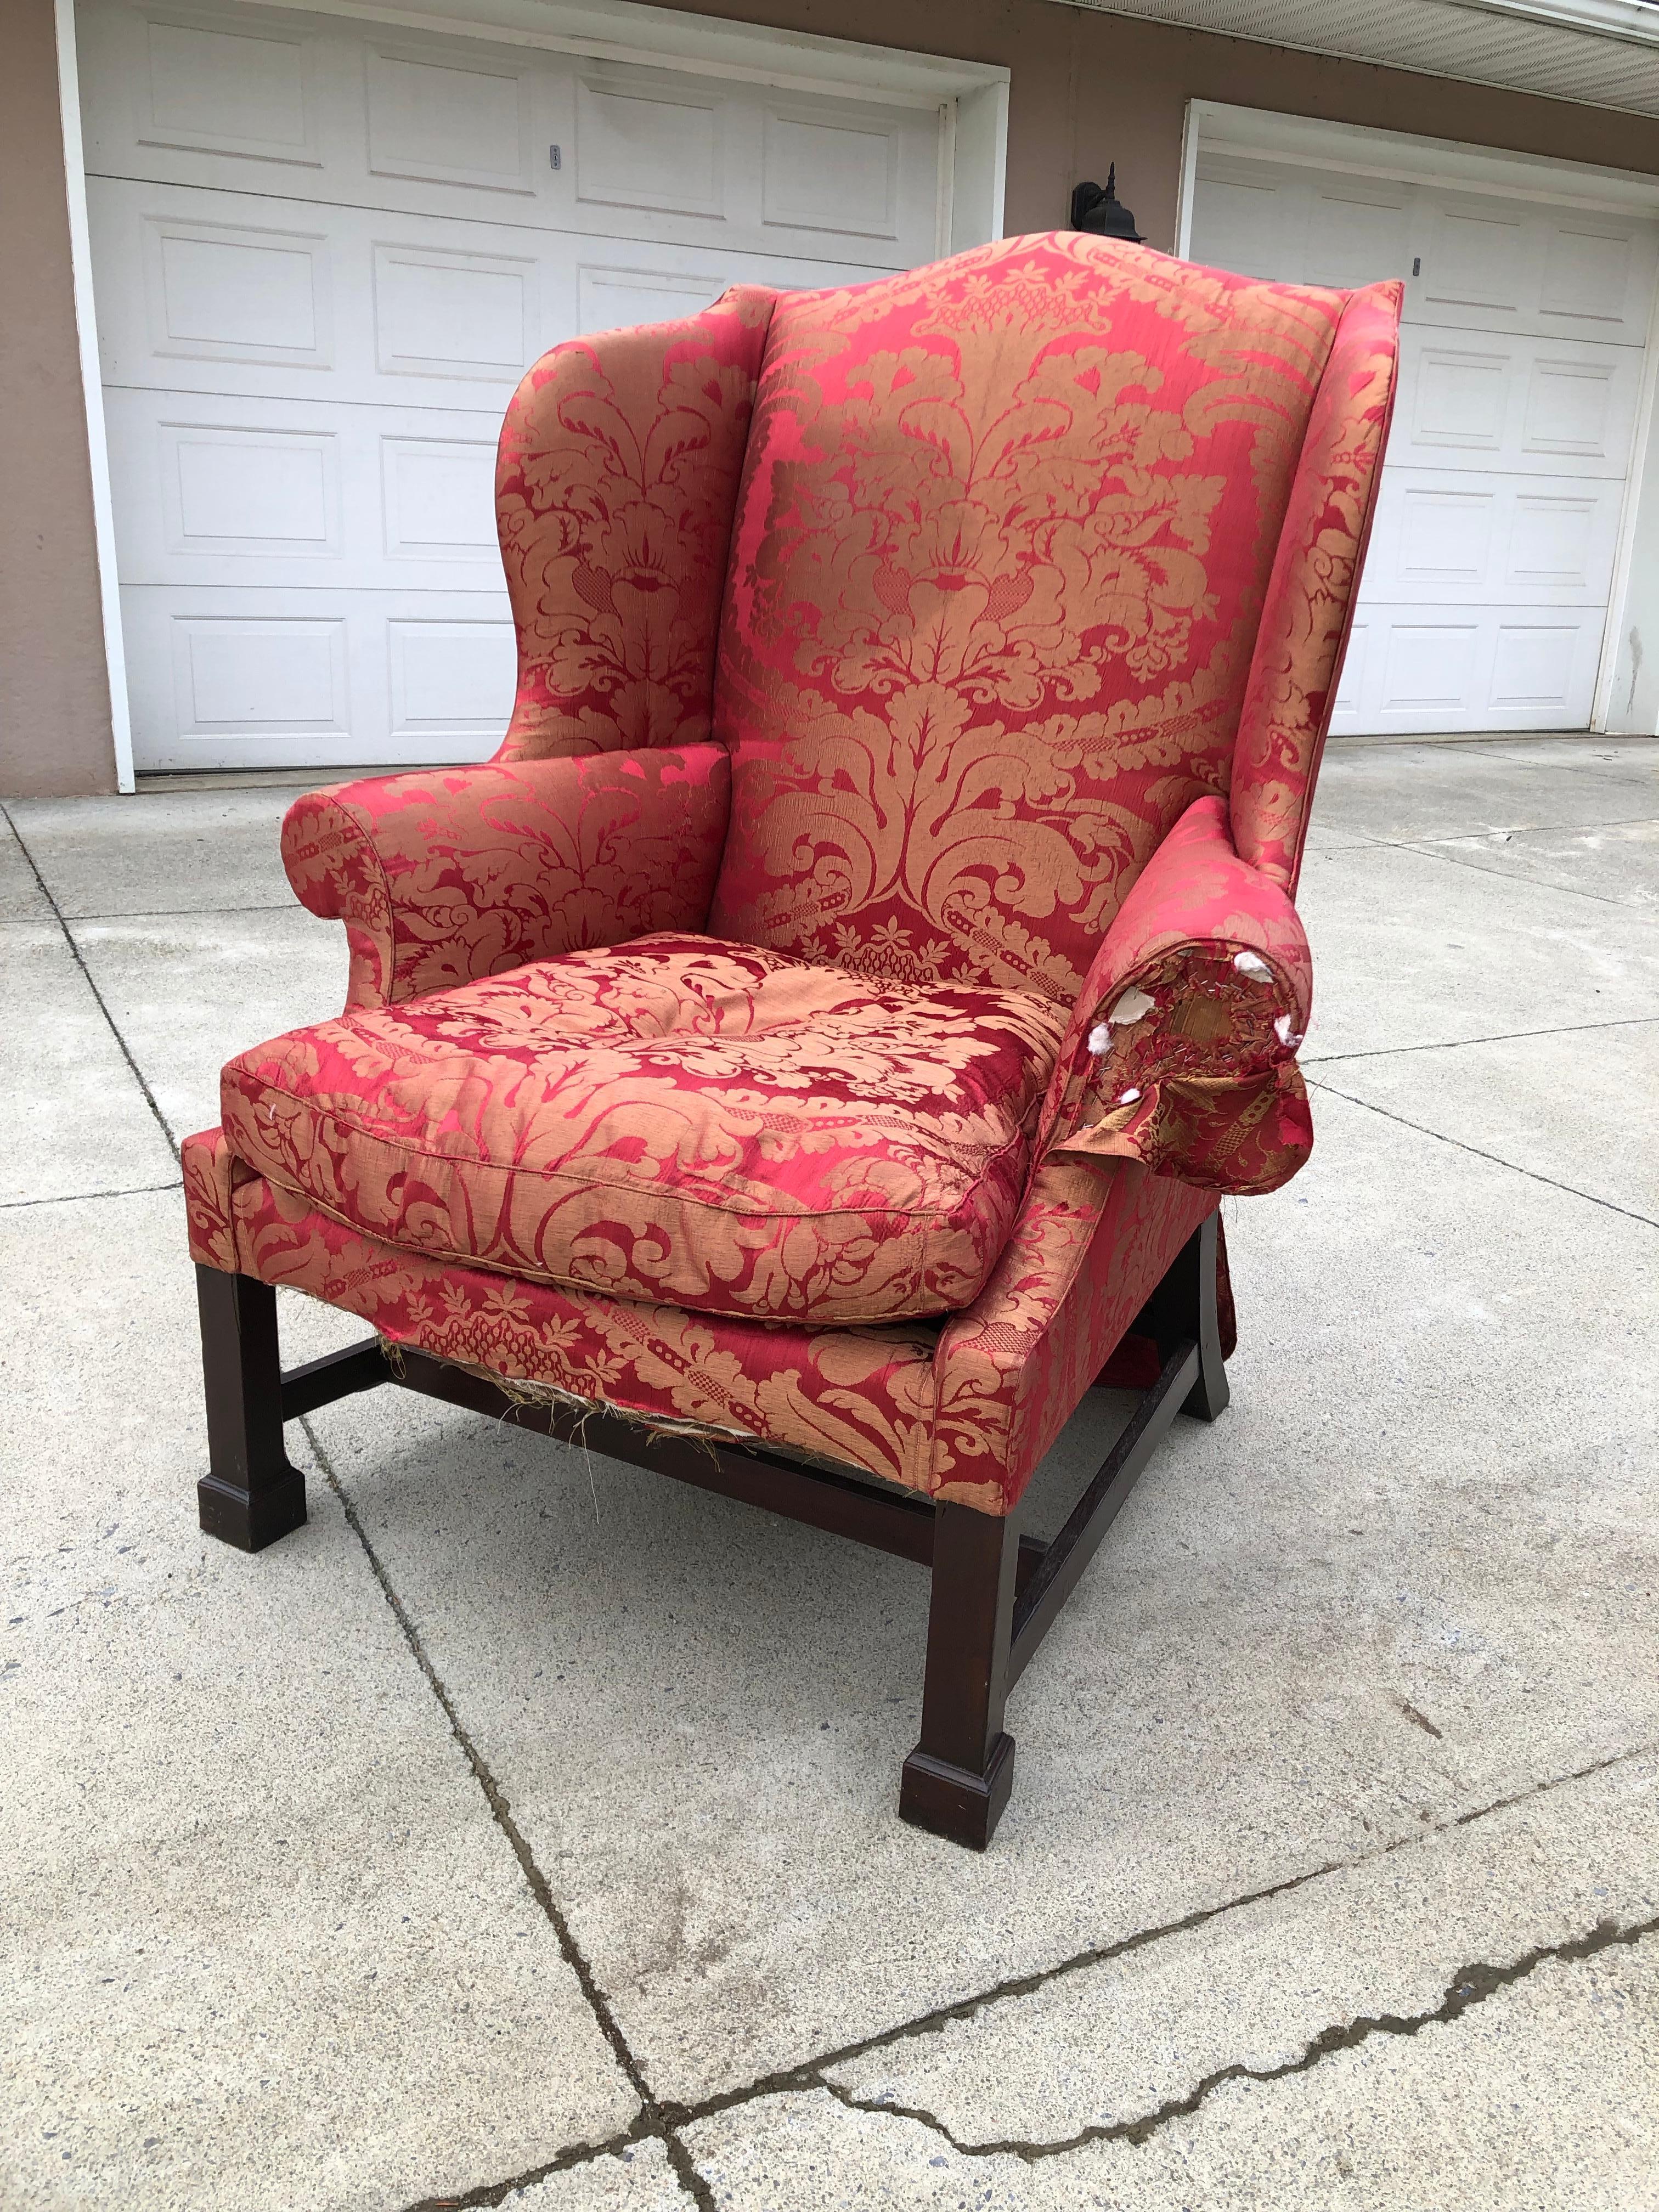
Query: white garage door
323,253
1486,588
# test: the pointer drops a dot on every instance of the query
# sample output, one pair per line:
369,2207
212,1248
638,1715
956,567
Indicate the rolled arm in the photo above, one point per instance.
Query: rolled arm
1182,1051
446,875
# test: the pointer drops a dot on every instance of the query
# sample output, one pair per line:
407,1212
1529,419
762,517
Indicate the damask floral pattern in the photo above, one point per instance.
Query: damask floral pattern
1036,570
1004,536
614,485
454,873
678,1119
965,1414
1316,587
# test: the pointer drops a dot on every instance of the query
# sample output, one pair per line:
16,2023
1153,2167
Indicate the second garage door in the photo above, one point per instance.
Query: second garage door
1486,589
324,251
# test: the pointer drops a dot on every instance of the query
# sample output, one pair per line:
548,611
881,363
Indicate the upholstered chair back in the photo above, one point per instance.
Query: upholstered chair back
967,569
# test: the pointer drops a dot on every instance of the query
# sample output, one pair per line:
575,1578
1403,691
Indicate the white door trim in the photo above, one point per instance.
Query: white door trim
92,388
1247,133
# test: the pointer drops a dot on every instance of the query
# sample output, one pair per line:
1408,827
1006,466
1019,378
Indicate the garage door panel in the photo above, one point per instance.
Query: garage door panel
243,292
442,118
652,143
1489,402
322,680
378,309
1469,261
1434,668
210,489
1475,537
287,106
167,81
1542,272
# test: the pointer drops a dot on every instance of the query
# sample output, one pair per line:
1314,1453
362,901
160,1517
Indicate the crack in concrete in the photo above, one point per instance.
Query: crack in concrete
1440,1137
809,2073
497,2192
98,996
1470,1986
651,2122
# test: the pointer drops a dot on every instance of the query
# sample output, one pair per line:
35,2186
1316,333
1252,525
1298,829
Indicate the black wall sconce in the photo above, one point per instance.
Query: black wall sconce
1102,212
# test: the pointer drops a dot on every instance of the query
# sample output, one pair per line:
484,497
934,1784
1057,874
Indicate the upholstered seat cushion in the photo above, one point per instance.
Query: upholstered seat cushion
677,1119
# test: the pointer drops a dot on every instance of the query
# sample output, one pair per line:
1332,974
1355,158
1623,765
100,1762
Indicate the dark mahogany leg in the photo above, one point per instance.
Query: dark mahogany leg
958,1779
250,1496
1184,1306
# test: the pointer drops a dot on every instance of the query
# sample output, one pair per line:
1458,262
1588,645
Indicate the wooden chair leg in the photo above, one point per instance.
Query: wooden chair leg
251,1495
1184,1306
957,1780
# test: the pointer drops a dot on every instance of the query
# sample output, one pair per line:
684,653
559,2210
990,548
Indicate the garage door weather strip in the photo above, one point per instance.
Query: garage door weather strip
995,1593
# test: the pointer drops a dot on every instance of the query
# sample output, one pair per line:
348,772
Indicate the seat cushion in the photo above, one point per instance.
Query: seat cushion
677,1119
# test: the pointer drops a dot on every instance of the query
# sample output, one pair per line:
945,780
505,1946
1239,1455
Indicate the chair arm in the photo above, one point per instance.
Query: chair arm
449,874
1182,1051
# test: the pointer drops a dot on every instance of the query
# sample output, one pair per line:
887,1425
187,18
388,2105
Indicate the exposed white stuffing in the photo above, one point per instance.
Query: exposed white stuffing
1286,1034
1131,1006
1253,965
1127,1097
1100,1039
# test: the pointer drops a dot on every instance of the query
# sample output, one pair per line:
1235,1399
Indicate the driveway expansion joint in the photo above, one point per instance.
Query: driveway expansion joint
1470,1986
650,2122
811,2074
85,1197
1305,1060
98,997
497,2192
663,2120
1551,1183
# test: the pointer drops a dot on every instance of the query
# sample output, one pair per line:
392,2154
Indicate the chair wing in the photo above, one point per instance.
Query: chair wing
615,487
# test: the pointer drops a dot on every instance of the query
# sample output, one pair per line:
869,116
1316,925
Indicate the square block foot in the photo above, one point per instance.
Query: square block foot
950,1801
251,1519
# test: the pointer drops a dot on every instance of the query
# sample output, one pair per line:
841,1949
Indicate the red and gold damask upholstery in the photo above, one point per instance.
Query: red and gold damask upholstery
1005,534
1313,592
957,649
454,873
1181,1050
678,1120
963,1413
614,485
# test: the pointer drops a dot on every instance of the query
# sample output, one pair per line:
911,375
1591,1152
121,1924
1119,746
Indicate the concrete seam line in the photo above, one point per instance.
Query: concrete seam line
1439,1137
98,996
1428,849
798,2079
651,2122
1306,1061
1470,1986
496,2192
85,1197
185,913
807,2074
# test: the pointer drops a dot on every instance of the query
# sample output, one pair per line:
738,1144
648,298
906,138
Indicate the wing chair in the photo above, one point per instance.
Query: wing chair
811,1052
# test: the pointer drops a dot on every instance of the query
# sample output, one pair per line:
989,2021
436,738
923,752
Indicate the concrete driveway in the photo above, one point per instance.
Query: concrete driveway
522,1829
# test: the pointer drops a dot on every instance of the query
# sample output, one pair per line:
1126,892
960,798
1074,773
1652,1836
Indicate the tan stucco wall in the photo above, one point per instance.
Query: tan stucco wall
54,692
1086,88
